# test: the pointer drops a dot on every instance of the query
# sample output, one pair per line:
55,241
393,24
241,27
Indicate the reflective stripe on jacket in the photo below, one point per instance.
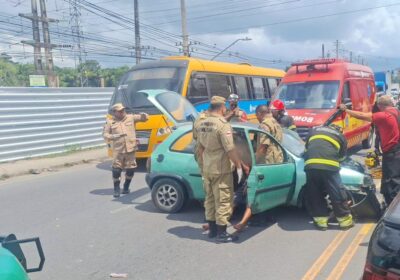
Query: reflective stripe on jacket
325,148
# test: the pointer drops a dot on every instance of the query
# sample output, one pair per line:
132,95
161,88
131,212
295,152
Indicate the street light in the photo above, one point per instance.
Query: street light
234,42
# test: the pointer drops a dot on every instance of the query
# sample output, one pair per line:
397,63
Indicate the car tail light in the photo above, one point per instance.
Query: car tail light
372,272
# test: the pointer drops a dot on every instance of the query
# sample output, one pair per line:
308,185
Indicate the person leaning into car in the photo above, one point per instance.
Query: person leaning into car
120,131
387,122
267,151
325,148
217,152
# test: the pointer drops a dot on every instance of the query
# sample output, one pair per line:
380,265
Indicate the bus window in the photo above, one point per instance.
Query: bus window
258,88
241,87
197,89
273,84
219,85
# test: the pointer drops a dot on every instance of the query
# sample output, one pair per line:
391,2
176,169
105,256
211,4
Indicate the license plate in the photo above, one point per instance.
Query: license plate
143,141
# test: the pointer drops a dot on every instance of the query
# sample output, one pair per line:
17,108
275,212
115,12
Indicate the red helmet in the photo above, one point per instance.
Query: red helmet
277,105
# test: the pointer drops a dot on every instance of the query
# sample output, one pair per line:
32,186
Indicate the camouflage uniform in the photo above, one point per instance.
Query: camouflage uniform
123,147
274,152
196,126
122,136
239,116
215,136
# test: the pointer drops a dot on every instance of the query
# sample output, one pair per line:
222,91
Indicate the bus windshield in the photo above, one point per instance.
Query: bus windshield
309,95
168,78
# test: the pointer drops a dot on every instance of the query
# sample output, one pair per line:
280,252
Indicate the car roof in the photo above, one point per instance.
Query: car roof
392,215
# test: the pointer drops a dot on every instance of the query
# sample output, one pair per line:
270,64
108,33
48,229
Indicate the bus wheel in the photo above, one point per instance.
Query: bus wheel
367,143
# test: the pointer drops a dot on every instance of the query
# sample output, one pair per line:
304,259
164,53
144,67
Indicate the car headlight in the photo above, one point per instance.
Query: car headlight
163,131
368,184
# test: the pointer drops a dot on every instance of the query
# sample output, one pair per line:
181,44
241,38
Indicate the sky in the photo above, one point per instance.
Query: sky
281,31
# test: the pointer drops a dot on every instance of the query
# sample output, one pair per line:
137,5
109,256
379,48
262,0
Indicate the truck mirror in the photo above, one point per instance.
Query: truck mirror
348,103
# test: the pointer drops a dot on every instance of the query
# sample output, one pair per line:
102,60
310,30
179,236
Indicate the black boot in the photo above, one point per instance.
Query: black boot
212,229
116,189
223,236
116,174
126,186
128,178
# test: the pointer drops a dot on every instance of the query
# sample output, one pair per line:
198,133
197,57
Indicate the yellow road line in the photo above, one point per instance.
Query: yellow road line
344,261
324,257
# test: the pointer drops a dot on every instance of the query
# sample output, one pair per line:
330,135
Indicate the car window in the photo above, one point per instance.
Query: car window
176,105
241,145
260,151
184,144
293,143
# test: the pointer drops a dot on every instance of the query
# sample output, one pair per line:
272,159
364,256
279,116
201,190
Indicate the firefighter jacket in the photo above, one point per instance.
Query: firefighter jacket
325,149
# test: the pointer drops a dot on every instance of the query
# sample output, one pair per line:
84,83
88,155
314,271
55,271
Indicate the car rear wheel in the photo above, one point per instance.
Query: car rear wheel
367,143
168,195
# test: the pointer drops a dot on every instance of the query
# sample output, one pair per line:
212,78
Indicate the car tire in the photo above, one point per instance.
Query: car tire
168,195
367,143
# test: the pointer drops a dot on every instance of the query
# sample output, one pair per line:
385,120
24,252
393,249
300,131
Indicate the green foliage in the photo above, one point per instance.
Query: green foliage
17,75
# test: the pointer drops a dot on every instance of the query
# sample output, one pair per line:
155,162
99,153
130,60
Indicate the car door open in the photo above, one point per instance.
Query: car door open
269,184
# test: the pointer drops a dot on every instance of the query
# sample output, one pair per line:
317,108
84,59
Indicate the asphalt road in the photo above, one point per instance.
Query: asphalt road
86,234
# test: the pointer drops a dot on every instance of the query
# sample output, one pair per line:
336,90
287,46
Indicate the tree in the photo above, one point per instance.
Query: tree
16,74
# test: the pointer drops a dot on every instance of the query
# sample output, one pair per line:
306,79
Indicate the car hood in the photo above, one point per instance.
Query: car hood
174,106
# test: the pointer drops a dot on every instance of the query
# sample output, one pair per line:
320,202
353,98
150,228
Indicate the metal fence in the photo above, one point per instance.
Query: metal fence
42,121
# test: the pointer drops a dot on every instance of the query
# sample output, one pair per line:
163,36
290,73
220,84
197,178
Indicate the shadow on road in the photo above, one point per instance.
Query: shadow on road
188,232
106,165
124,198
147,206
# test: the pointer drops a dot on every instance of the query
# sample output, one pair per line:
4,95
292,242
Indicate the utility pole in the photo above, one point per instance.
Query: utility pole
185,36
323,51
51,77
351,56
138,51
75,14
37,55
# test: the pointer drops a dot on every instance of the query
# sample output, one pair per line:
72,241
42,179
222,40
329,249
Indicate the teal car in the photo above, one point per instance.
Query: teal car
174,176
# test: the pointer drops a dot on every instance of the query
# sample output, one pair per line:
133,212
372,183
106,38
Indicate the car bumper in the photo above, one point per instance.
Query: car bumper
149,179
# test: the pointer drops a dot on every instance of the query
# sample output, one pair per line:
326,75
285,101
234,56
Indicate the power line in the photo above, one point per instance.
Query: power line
303,19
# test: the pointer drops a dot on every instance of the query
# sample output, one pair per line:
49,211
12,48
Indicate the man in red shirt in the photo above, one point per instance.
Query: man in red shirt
387,122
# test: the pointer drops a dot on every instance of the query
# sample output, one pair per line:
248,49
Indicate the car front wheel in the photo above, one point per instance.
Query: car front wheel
168,195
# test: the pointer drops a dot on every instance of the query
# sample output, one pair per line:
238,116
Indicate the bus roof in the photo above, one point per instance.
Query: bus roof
229,68
326,69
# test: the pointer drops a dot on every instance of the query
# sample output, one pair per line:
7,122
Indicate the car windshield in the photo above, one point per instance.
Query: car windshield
128,91
293,143
309,95
178,106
